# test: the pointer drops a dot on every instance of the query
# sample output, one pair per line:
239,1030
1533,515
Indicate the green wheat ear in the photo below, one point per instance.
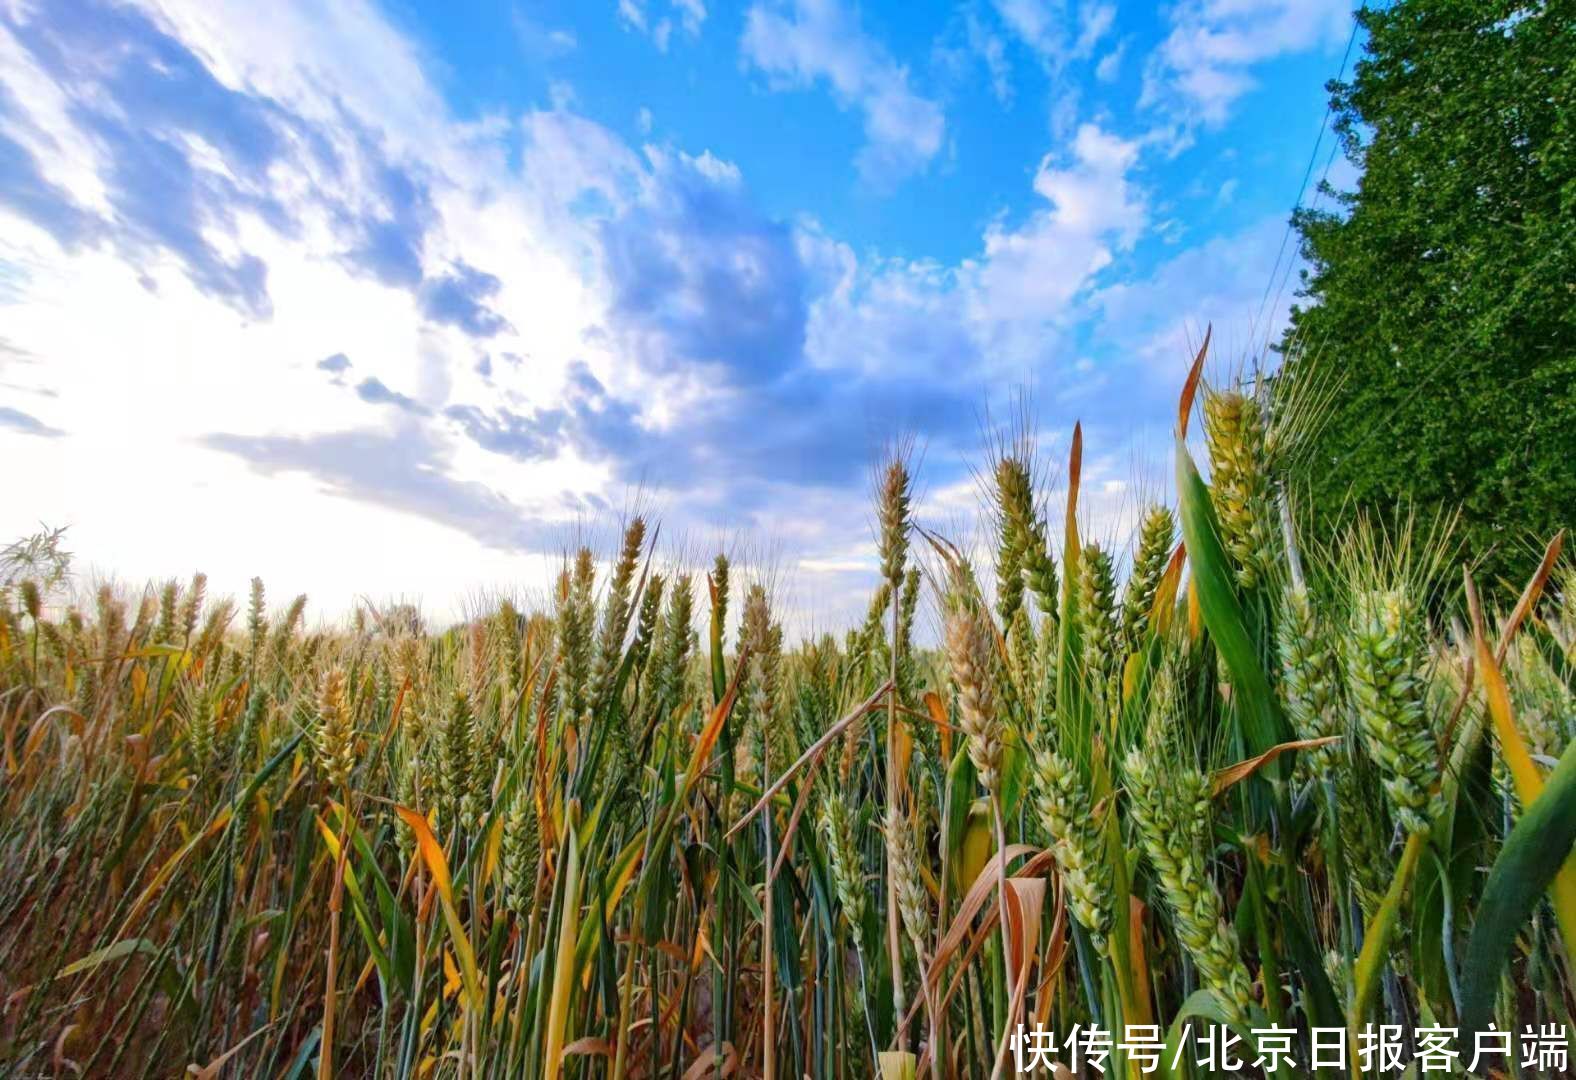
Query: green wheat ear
1023,654
521,853
1066,813
1311,676
847,868
1545,706
616,608
908,664
201,731
1240,484
1015,506
576,615
1097,609
646,623
670,654
719,579
1170,806
761,687
1385,669
510,651
168,595
1156,537
460,771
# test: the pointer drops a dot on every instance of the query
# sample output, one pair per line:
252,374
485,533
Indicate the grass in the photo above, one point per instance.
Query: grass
1239,775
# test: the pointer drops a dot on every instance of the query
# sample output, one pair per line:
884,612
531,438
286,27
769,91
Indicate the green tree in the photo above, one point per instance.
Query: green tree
1439,301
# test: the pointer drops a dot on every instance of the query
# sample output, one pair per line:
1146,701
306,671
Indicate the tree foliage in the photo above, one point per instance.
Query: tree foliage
1439,303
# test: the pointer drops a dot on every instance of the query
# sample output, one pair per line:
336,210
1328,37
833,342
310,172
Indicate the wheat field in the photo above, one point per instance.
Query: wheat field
1222,774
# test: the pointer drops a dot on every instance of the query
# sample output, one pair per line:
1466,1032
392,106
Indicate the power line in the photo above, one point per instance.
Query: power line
1313,157
1281,288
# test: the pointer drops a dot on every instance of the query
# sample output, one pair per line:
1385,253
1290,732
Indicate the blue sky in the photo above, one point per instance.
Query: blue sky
400,298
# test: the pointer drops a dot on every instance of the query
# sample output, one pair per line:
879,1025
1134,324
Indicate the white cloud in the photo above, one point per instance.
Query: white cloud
275,453
1094,22
292,52
540,41
1038,23
566,156
1110,64
997,318
147,376
988,47
1032,272
691,13
686,15
1206,62
627,305
146,366
1047,27
814,40
1159,319
561,93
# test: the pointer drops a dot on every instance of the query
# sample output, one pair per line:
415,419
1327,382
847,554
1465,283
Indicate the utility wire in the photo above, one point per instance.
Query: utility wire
1302,191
